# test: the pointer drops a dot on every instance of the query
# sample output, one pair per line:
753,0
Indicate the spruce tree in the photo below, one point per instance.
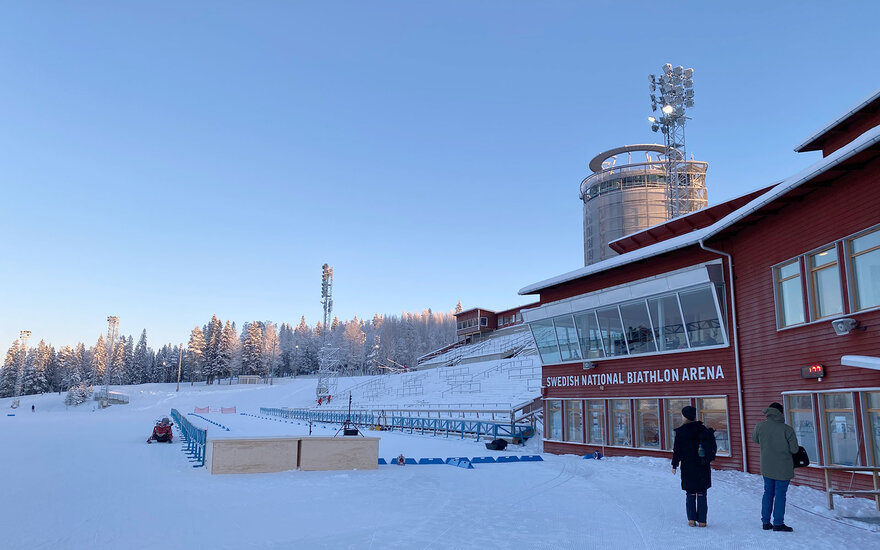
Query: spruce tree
251,353
141,362
195,353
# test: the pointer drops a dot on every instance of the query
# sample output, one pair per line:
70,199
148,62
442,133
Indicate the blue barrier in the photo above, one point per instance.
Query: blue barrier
382,461
531,458
461,462
431,461
196,438
435,426
482,460
507,458
210,421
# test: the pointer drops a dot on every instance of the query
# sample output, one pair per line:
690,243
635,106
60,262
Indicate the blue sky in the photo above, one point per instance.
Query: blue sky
167,161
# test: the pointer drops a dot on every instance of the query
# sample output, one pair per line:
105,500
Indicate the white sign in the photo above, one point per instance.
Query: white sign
655,376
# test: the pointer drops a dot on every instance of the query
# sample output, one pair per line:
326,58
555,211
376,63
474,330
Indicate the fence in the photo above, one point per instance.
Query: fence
462,422
196,439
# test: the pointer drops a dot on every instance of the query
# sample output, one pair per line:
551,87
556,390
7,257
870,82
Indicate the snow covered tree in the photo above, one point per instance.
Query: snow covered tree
99,361
9,373
228,351
141,361
353,339
271,349
458,308
304,348
117,363
195,354
252,348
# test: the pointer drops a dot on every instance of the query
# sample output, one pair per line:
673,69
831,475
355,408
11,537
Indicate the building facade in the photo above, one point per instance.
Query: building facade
773,296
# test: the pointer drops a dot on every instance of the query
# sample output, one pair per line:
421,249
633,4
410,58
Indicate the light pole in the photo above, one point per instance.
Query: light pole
179,363
19,377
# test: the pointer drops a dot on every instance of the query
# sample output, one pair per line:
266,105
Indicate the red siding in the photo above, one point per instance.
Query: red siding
771,359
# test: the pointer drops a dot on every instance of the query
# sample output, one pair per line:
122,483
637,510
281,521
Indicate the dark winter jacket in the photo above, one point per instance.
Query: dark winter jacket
162,431
696,477
778,442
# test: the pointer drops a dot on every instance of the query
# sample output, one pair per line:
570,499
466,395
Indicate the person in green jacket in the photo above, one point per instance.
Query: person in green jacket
778,443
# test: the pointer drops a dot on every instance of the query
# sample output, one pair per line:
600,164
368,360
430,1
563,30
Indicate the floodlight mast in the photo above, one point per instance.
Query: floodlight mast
19,376
672,92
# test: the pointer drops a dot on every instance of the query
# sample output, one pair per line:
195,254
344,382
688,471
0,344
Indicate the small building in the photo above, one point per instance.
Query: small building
771,296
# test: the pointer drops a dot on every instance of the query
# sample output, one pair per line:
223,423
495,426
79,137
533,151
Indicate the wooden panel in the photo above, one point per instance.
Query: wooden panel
339,453
250,456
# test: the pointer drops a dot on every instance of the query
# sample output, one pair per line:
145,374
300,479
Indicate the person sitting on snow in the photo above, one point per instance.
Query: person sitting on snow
162,432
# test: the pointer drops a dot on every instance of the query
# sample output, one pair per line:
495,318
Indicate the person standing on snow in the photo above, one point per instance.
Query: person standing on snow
694,449
778,443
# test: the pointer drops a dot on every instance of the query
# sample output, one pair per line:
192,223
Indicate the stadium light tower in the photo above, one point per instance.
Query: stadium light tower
112,333
19,377
328,359
672,92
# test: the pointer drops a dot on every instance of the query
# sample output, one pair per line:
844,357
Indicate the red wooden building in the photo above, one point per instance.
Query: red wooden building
772,296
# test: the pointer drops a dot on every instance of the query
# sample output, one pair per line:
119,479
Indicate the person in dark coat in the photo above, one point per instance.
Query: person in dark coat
696,474
778,443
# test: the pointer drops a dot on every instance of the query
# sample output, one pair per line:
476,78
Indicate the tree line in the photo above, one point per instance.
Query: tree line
218,351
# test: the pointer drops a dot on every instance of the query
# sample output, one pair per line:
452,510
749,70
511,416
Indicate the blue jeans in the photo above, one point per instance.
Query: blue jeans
774,500
696,507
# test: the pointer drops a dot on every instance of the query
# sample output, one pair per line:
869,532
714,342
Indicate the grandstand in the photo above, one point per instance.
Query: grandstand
515,341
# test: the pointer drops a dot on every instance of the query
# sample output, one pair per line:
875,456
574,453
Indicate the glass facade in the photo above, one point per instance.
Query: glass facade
554,419
683,320
596,421
648,423
840,429
712,412
674,418
872,406
802,419
574,421
621,422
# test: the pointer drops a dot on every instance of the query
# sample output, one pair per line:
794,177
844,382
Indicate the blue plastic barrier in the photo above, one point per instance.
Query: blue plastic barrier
597,455
196,438
431,461
460,462
531,458
507,458
382,461
482,460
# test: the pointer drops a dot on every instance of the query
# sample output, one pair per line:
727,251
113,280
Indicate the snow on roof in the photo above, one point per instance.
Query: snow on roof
864,141
837,121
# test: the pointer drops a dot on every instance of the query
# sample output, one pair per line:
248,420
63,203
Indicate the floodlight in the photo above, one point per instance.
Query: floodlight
688,83
667,68
689,103
668,109
654,127
688,73
652,119
677,71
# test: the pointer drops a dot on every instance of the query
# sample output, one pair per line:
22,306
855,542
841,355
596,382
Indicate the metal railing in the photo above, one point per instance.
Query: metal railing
196,439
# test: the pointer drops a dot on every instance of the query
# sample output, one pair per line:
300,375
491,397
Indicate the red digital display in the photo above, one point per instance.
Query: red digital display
813,371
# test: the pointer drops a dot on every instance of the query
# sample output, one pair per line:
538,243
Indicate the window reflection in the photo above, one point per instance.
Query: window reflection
589,335
567,337
800,412
612,331
545,340
667,323
639,335
701,317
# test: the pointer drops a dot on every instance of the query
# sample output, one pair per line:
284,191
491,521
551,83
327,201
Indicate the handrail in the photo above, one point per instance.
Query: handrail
196,438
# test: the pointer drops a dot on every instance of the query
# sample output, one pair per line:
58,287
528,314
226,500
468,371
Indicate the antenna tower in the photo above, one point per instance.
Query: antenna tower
673,93
112,334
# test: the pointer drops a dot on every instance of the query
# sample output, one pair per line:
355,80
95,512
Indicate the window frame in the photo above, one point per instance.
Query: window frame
812,287
778,294
852,287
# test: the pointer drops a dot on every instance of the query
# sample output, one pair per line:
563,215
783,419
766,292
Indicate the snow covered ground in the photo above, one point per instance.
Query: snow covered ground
84,478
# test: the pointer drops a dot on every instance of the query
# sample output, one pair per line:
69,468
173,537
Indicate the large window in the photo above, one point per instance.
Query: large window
864,252
701,317
596,421
668,327
621,422
840,429
589,335
802,419
574,421
567,338
648,423
678,321
637,324
612,331
789,295
674,418
826,294
872,402
554,419
545,340
713,412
